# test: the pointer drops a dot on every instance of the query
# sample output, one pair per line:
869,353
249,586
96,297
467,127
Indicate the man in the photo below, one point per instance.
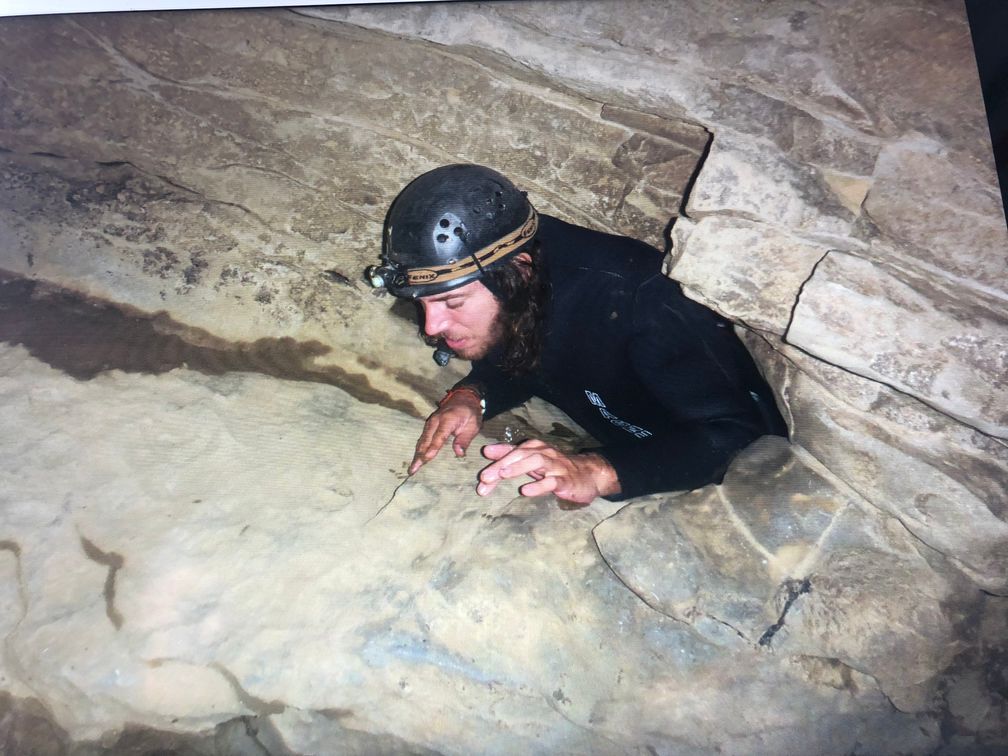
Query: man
584,320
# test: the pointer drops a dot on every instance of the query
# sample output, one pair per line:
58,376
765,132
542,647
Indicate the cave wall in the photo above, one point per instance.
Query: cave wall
219,180
847,215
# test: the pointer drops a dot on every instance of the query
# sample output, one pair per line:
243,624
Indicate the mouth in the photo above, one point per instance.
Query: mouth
455,344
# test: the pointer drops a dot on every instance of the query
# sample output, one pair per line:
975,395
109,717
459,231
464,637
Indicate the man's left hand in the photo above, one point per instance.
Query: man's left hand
579,478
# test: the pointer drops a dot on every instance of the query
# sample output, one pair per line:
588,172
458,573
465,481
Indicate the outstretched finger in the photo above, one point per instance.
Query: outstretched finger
430,443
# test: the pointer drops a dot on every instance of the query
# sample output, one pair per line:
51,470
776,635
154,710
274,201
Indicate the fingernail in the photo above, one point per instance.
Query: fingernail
481,489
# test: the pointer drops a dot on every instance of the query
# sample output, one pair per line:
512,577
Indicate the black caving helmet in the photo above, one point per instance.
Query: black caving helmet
447,227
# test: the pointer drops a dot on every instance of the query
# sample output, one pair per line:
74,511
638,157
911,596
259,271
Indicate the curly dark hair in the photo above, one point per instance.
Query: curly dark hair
520,287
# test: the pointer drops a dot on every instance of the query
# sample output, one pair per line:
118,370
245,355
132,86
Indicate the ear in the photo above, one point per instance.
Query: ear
524,258
523,262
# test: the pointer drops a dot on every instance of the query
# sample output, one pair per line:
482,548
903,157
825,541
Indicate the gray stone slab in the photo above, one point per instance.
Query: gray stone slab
909,331
746,270
758,181
944,481
939,206
716,557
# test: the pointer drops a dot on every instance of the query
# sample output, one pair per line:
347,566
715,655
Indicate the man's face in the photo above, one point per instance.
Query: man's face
467,319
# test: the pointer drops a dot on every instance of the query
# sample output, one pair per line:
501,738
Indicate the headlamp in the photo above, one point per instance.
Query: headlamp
385,276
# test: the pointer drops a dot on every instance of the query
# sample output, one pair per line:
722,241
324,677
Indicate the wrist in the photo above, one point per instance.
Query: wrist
468,394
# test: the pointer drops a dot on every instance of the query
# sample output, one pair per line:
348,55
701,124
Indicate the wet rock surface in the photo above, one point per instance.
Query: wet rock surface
208,543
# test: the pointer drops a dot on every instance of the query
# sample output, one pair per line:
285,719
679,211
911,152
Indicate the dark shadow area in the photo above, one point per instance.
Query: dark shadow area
84,338
988,20
28,727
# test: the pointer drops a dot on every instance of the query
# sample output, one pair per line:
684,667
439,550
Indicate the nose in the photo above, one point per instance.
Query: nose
435,318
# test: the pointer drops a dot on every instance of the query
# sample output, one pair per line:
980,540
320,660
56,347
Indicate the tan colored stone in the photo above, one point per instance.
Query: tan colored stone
781,557
850,190
241,187
912,332
273,564
748,271
944,481
939,206
759,182
879,612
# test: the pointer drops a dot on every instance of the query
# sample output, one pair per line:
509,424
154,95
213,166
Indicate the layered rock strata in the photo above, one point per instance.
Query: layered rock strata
207,538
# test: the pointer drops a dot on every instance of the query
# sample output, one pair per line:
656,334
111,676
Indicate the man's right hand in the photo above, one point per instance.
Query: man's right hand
459,415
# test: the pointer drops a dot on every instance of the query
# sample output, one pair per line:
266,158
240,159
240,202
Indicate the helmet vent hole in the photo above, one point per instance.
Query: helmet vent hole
458,231
442,238
445,223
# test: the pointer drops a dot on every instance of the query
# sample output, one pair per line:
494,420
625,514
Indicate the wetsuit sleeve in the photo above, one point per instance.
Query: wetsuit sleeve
687,359
500,391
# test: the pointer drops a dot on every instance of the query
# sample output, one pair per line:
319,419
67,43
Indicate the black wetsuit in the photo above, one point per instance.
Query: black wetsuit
659,380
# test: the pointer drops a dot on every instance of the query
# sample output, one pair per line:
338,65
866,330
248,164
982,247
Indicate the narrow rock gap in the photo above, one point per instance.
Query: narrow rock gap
730,626
691,182
798,296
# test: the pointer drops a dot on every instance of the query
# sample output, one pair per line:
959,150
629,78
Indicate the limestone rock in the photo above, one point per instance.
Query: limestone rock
740,561
944,481
943,207
241,187
800,57
747,271
754,181
915,333
371,596
877,613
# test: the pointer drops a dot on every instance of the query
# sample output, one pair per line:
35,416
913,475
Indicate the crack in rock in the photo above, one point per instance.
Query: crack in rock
199,193
798,295
720,621
794,589
114,562
786,338
253,703
390,498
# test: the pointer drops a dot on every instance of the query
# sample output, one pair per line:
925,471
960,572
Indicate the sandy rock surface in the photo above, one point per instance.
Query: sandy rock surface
208,543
